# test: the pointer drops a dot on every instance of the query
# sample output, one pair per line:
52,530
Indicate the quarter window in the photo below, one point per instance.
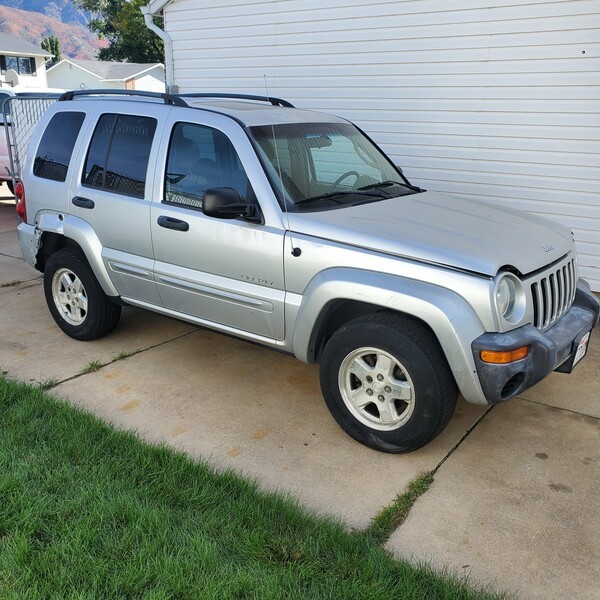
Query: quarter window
56,146
201,158
118,156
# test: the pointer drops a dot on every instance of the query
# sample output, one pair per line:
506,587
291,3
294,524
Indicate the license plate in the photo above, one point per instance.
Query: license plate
581,348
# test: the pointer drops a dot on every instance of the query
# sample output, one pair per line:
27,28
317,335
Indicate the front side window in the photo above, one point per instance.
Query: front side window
118,155
56,146
201,158
316,166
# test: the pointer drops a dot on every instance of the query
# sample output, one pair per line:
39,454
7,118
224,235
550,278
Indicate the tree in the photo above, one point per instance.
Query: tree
52,44
122,24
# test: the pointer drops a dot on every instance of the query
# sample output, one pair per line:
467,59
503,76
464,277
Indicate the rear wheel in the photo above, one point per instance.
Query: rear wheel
75,299
10,186
386,382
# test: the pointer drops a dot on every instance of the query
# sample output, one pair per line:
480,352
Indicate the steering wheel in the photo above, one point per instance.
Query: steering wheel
341,178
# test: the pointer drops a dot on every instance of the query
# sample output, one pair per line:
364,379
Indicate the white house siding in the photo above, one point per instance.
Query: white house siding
71,77
495,100
152,81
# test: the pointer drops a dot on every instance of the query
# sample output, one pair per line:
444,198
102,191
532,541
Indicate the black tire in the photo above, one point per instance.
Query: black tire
75,299
408,360
10,186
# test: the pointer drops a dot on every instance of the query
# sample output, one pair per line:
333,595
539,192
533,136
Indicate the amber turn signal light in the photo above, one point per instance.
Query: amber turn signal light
502,358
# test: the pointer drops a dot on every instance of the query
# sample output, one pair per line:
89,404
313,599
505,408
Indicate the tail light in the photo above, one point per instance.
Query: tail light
20,196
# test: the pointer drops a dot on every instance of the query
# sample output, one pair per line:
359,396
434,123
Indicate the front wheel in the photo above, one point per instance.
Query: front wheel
386,382
75,299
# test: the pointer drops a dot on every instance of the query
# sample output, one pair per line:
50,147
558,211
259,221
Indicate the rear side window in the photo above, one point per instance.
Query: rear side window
56,147
117,159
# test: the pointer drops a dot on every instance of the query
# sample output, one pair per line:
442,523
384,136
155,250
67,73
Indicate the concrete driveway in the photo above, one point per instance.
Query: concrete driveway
515,497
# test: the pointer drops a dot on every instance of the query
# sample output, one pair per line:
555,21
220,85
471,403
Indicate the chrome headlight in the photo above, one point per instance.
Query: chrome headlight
509,297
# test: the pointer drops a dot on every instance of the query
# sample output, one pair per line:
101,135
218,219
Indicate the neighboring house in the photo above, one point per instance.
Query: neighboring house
491,100
22,65
74,74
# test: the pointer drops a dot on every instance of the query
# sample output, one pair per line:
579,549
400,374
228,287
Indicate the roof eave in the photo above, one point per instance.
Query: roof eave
41,54
156,6
66,60
128,77
108,79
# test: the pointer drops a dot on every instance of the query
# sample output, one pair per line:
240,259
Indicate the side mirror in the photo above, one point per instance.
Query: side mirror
226,203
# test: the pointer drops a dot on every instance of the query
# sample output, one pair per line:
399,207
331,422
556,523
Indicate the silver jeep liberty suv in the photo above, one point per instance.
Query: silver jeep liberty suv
292,229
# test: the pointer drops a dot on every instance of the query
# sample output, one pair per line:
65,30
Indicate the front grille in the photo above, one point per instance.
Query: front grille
553,293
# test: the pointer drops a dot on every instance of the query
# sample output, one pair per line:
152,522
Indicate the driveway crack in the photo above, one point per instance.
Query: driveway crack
390,517
50,384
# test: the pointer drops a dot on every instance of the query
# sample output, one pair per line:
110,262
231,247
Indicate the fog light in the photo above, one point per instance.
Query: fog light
512,386
501,358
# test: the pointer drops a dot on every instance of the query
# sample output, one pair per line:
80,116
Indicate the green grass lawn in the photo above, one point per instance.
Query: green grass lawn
87,511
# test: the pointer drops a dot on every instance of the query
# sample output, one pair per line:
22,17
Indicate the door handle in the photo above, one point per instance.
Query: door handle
171,223
83,202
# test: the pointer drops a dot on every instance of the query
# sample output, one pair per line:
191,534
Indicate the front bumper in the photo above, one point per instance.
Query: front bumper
550,350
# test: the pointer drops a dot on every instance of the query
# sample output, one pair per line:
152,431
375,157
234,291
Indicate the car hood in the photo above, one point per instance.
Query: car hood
443,229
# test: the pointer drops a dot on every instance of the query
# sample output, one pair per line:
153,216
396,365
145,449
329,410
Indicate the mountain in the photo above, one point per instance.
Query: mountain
76,41
61,10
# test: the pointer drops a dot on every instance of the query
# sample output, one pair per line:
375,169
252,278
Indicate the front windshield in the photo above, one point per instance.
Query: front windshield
317,166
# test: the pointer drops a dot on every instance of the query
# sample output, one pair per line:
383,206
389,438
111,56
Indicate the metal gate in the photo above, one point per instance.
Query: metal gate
21,115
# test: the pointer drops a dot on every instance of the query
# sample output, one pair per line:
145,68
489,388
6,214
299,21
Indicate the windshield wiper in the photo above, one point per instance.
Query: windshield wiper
334,195
388,183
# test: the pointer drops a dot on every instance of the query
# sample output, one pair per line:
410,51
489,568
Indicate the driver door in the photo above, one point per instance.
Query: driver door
227,272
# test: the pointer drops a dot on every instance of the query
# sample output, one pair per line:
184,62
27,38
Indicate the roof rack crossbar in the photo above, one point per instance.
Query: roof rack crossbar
167,98
274,101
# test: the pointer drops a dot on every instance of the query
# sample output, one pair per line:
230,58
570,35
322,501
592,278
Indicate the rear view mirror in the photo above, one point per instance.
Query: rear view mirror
226,203
318,141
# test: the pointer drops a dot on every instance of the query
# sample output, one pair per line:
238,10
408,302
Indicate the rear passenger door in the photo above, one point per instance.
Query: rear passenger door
112,192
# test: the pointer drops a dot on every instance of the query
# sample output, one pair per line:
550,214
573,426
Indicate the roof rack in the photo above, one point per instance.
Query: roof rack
173,99
167,98
270,99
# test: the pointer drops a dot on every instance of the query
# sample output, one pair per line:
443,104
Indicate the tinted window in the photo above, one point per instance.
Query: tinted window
201,158
56,147
93,174
118,156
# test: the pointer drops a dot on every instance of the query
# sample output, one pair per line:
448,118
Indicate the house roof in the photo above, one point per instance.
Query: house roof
11,44
110,71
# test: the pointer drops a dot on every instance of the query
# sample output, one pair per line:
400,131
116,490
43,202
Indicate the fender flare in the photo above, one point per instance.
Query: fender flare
452,320
83,234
